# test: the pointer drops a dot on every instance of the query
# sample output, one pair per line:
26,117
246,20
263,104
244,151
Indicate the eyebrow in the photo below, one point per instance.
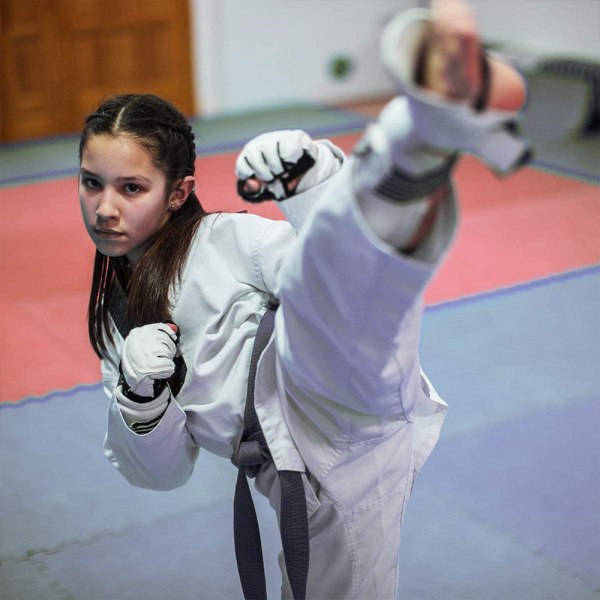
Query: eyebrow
124,178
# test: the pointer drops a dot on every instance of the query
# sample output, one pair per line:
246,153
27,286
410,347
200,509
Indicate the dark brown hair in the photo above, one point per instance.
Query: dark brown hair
160,128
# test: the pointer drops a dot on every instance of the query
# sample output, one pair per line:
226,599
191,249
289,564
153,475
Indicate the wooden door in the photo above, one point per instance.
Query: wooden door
60,58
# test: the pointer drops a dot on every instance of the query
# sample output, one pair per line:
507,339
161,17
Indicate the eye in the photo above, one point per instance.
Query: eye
132,188
90,183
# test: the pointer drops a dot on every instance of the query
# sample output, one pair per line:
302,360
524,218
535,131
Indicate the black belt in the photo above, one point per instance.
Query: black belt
252,453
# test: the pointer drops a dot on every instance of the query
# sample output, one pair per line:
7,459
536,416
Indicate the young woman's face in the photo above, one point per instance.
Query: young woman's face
123,196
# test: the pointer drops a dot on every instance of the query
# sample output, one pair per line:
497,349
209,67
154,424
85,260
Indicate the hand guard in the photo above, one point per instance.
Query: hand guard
275,158
448,126
147,358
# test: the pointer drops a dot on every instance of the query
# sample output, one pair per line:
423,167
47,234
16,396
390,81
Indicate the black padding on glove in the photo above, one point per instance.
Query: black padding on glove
291,171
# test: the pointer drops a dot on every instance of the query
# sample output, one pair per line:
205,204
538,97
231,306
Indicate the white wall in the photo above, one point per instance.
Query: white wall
567,28
252,54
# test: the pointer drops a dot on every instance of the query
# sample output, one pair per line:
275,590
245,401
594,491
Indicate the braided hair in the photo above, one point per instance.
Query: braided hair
160,128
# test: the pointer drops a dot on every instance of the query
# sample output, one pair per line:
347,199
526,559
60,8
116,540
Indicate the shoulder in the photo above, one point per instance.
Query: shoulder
238,242
248,248
242,230
243,221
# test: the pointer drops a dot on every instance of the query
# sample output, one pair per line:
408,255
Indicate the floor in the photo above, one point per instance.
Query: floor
508,506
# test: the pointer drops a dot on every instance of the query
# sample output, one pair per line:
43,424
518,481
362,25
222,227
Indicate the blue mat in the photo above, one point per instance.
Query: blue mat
508,507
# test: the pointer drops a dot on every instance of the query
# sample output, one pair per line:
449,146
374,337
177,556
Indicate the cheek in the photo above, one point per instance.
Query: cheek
88,210
149,220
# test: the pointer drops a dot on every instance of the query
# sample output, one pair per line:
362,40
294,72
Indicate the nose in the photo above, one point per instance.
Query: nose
107,206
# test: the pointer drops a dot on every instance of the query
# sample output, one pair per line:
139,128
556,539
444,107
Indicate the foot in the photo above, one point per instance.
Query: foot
453,66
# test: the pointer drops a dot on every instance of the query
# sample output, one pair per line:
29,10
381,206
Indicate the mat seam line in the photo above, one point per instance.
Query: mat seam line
587,271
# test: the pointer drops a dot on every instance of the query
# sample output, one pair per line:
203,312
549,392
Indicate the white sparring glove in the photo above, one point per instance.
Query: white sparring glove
278,157
147,360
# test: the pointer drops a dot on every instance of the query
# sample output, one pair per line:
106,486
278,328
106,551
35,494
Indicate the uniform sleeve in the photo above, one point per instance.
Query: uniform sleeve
110,362
271,249
160,460
330,161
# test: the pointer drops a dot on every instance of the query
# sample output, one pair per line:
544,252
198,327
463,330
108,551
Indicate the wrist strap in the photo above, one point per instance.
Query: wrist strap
159,387
291,172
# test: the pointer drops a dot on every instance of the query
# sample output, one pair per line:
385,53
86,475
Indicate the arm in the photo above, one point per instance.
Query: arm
146,438
162,459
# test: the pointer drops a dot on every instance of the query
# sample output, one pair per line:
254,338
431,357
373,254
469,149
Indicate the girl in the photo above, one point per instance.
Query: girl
177,294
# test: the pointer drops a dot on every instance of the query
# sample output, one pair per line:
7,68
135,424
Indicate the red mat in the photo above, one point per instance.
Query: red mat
530,226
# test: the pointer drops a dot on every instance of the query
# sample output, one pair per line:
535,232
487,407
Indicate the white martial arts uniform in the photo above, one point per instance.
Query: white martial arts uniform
339,392
339,389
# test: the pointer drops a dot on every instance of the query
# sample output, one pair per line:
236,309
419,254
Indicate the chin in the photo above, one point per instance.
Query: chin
106,250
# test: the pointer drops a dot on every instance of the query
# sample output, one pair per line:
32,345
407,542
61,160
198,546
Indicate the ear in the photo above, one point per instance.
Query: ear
180,194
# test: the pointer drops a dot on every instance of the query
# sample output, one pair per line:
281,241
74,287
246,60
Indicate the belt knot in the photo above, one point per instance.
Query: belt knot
251,454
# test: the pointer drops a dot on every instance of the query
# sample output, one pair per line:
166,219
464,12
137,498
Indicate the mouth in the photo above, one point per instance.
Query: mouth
107,233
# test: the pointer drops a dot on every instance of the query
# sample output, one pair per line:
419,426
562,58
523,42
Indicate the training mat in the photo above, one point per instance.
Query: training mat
530,226
499,511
